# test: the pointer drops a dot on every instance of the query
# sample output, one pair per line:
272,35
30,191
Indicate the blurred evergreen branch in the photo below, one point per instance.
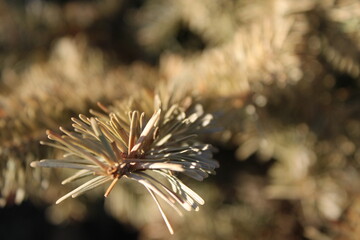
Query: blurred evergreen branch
281,78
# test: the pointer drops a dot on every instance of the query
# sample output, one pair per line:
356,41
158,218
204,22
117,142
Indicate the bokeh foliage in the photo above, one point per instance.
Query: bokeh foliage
281,77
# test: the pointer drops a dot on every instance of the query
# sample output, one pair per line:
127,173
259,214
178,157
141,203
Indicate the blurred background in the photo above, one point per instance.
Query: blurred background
282,78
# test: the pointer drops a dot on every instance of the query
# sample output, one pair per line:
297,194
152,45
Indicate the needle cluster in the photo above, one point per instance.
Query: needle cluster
115,145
